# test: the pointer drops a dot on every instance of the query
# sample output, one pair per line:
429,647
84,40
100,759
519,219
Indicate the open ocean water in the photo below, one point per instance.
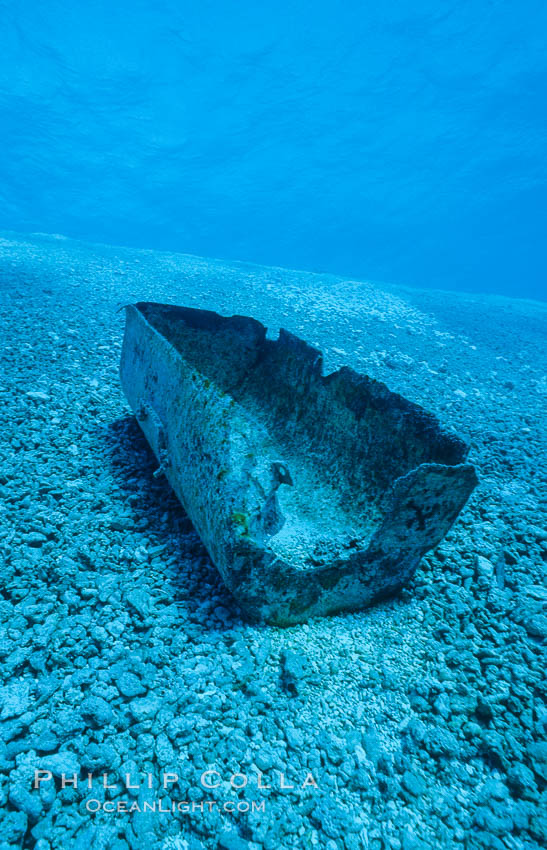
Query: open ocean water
399,142
395,153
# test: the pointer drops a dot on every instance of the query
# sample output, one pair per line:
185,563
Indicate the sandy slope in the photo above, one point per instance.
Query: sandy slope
423,720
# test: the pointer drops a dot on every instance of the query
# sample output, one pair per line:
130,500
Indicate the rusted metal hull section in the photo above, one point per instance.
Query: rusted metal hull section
312,494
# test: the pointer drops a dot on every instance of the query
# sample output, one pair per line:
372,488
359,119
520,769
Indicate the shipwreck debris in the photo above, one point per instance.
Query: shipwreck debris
313,494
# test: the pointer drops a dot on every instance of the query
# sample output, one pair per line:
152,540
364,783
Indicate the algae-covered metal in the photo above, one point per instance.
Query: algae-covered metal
312,493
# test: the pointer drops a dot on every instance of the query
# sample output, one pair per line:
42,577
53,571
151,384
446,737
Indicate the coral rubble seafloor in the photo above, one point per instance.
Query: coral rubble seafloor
421,720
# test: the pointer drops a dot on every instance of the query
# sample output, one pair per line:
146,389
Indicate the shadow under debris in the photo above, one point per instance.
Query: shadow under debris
194,580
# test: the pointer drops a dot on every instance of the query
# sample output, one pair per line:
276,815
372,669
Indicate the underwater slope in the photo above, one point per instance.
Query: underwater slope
422,719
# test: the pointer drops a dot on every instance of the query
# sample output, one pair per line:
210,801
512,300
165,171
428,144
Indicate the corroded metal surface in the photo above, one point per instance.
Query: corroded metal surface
313,494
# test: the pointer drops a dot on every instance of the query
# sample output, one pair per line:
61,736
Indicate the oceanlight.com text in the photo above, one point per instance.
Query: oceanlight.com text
164,807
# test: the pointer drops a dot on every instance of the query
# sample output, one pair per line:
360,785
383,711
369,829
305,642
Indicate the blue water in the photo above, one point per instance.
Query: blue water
401,141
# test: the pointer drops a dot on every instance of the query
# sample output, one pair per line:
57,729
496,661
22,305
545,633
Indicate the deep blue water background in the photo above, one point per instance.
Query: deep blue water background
399,141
